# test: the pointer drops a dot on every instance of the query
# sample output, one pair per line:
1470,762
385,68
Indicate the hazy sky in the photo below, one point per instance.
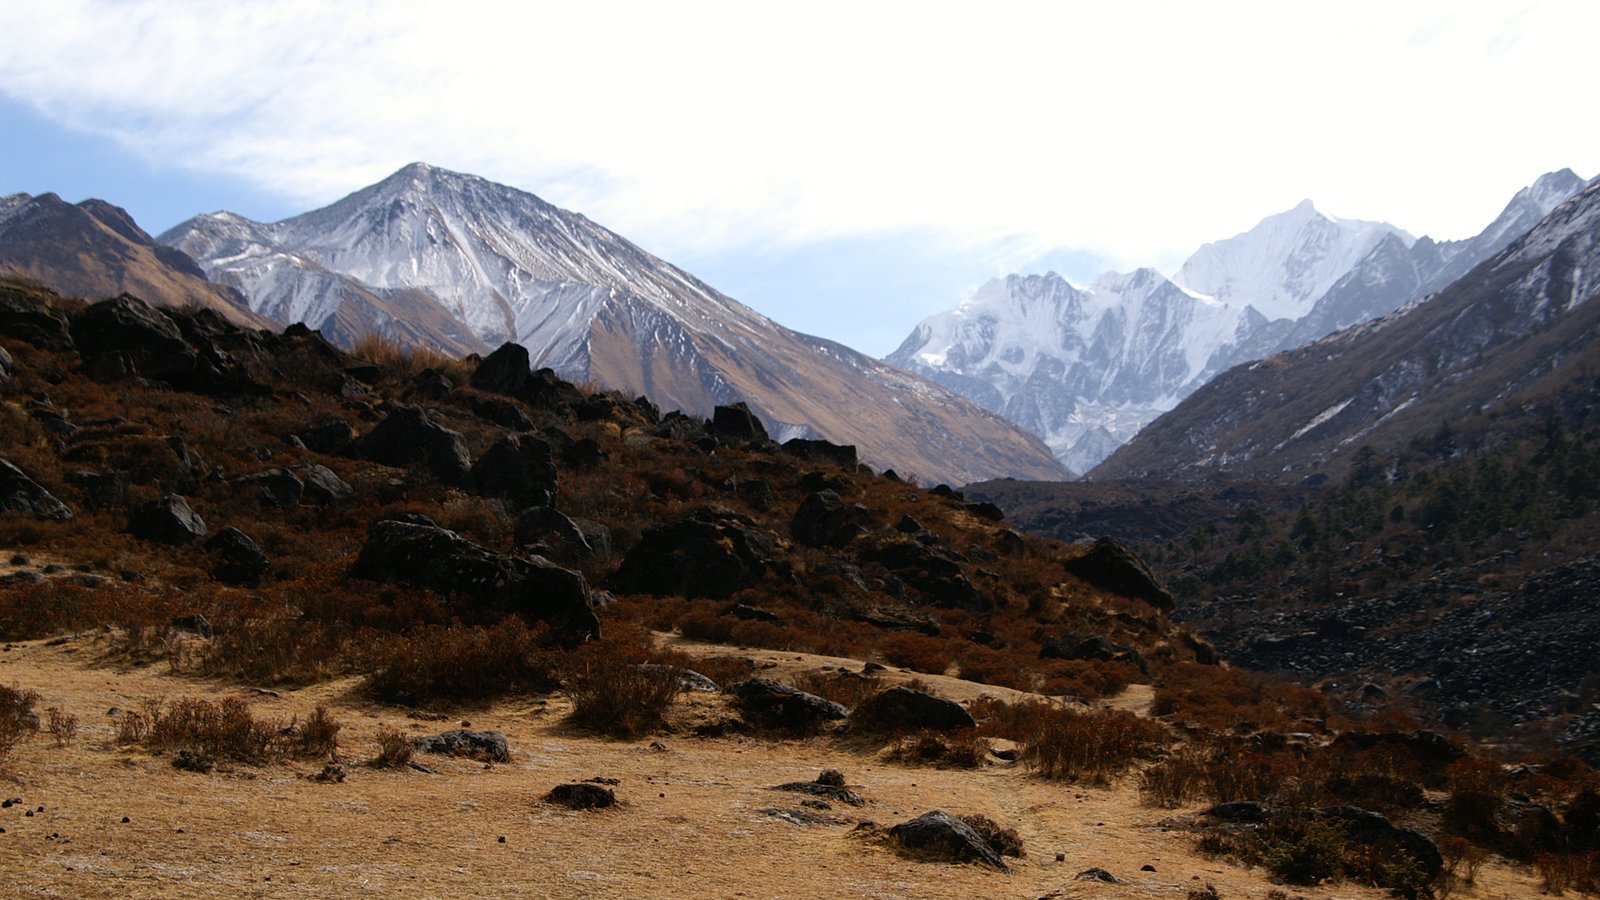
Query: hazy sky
846,168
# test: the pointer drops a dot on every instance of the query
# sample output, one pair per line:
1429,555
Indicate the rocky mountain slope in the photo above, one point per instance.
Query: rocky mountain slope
1087,367
460,263
1517,328
94,249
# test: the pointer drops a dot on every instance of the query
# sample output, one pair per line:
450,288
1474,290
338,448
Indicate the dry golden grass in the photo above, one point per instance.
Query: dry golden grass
691,821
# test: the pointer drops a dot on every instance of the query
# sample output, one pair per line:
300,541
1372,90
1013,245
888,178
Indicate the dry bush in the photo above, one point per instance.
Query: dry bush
1089,679
1477,792
988,666
724,670
225,730
1224,698
1462,858
270,648
706,625
461,663
842,686
1058,742
615,697
1562,872
318,735
408,361
1005,841
62,725
915,651
945,750
17,718
1181,777
394,749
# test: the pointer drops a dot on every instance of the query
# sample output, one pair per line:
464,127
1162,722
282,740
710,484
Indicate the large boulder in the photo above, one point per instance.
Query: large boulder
1072,645
19,493
901,709
520,468
507,371
30,318
147,336
547,526
1373,830
934,572
407,437
1114,568
823,520
777,705
710,553
235,558
843,455
939,835
169,520
429,557
737,423
330,438
323,486
272,487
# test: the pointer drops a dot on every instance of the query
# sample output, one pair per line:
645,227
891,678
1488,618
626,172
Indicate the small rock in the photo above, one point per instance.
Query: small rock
582,796
1097,874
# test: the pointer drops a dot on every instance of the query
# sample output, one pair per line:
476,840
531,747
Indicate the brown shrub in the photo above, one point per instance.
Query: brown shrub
17,718
615,697
915,651
1058,742
461,663
223,730
62,725
841,686
943,749
394,749
1005,841
1562,872
318,735
1224,698
1088,678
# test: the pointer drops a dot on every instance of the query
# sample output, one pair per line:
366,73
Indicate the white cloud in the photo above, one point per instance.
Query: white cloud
1135,131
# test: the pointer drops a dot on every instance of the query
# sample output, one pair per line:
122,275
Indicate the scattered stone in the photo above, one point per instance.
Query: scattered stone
332,773
803,816
582,795
688,679
939,835
1147,868
1073,645
273,487
192,761
1097,874
323,486
483,745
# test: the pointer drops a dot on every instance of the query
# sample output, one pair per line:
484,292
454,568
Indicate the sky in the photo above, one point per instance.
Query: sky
845,168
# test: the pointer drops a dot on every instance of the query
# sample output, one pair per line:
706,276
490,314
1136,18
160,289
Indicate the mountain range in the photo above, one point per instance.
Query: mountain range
460,264
1087,367
1519,328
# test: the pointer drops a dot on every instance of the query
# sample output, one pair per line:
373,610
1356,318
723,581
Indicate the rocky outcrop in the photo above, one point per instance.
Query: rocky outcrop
323,486
1114,568
19,493
429,557
737,423
489,746
823,520
1073,645
932,571
273,487
518,467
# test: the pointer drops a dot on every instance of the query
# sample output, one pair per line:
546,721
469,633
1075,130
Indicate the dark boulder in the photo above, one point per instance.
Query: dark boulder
101,490
169,520
755,614
1373,830
710,553
826,788
484,745
520,468
934,572
19,493
939,835
323,486
32,319
1114,568
506,371
497,411
330,438
547,526
407,437
1090,647
127,331
581,795
901,709
777,705
429,557
842,454
984,510
7,366
823,520
273,487
757,493
430,384
737,423
235,558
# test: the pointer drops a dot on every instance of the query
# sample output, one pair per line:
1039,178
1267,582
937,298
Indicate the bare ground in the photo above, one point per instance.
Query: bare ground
692,822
